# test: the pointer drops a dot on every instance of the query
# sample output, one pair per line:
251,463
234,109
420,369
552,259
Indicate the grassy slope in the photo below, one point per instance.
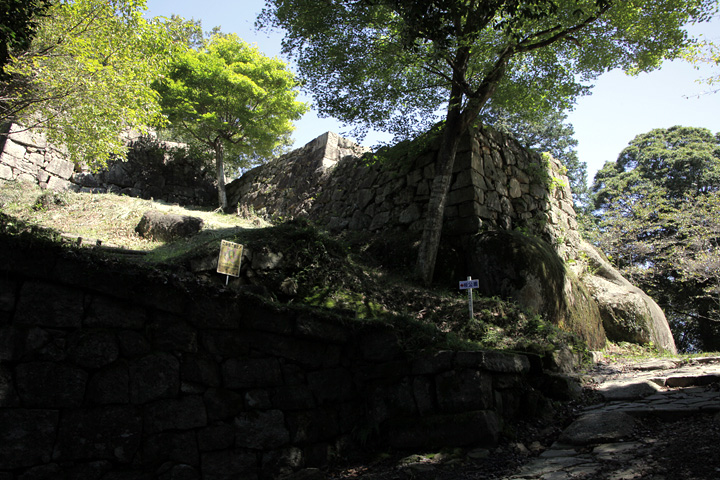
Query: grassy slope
327,271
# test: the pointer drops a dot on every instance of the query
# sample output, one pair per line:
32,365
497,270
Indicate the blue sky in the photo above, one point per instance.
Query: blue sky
619,108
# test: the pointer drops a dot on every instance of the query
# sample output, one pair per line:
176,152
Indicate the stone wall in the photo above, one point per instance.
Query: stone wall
500,194
151,170
106,374
496,184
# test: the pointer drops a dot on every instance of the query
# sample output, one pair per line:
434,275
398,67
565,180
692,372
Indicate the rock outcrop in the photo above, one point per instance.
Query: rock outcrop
628,313
167,227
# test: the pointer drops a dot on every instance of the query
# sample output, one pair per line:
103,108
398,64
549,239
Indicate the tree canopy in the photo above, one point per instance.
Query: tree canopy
230,98
659,214
395,64
86,77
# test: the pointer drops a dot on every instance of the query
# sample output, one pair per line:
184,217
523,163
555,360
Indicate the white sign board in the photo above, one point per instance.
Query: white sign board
465,284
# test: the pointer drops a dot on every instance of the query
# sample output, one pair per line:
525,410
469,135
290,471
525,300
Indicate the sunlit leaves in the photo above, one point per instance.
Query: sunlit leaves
232,99
90,69
369,62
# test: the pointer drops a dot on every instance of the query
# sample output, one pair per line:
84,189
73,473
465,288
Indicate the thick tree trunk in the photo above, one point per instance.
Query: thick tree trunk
430,242
220,168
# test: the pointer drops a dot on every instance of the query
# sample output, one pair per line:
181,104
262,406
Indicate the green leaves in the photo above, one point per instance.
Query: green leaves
90,69
230,92
390,65
230,98
659,212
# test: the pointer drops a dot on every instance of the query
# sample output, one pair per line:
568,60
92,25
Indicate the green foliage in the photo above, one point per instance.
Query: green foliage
702,53
88,75
390,64
231,99
659,210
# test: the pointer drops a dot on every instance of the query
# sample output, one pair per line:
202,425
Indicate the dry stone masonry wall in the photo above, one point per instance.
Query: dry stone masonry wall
498,190
149,172
496,184
110,375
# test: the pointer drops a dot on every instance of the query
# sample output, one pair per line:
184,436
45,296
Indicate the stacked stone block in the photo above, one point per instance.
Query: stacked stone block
107,375
496,184
149,171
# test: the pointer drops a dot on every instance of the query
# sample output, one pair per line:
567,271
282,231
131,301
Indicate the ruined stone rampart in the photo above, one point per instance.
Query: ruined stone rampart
151,170
496,184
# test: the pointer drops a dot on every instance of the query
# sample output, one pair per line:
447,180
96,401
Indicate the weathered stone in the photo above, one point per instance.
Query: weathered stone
632,390
529,271
108,312
261,430
59,184
14,149
331,385
292,397
112,433
180,472
27,437
170,334
311,426
50,385
94,349
463,390
282,463
49,305
154,376
222,404
628,313
216,437
167,227
8,396
480,428
434,364
251,373
6,172
61,168
118,176
175,414
200,369
110,385
600,427
229,464
380,346
177,447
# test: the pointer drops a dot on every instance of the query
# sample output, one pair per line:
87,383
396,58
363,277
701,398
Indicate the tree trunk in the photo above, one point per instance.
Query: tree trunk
220,168
430,242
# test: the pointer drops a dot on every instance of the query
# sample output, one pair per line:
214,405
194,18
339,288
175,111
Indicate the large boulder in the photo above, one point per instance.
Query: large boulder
528,270
167,227
628,314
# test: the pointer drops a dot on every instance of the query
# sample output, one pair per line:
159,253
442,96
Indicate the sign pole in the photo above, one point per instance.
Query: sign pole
469,285
470,300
